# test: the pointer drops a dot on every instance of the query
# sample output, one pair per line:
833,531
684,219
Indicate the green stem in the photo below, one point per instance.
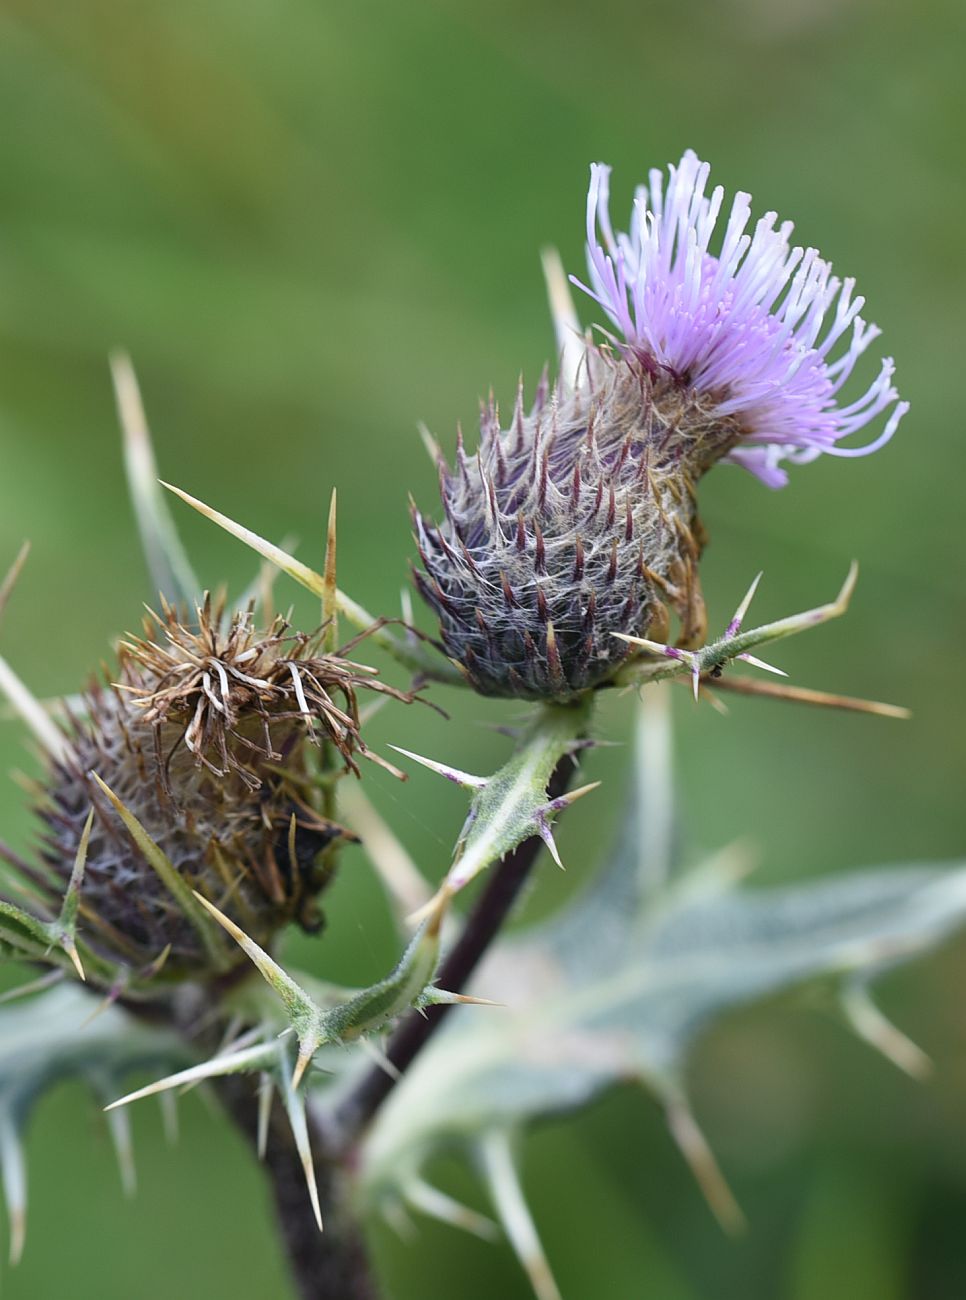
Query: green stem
538,773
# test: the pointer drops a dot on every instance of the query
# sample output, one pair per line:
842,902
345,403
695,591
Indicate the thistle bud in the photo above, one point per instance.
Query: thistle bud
580,520
577,522
205,737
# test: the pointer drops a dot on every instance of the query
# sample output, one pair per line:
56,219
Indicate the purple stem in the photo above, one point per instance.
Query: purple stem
329,1265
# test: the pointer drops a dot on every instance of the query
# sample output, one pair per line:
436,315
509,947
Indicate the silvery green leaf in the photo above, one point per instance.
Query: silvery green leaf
65,1032
597,1001
619,985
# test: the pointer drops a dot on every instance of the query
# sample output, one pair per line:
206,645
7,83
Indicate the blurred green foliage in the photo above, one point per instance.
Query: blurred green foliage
315,224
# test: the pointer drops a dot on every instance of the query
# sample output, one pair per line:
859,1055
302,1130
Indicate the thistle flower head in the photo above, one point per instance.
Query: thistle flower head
580,519
205,738
576,522
760,328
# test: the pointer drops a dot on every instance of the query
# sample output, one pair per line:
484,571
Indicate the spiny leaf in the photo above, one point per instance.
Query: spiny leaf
66,925
305,1016
703,664
25,932
167,560
374,1007
246,1060
35,939
512,804
620,984
343,1021
50,1038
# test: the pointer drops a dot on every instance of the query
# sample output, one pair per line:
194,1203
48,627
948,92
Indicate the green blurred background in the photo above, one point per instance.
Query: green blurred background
314,224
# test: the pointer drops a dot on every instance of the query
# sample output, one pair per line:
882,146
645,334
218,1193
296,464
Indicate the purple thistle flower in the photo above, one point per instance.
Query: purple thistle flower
578,523
762,328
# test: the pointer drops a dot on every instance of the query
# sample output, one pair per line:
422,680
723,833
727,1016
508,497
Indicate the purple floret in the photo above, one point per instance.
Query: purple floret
762,328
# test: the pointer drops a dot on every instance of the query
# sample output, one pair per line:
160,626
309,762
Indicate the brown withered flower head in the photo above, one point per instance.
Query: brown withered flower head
214,735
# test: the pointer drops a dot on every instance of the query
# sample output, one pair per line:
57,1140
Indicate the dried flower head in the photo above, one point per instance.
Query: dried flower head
238,697
206,738
580,520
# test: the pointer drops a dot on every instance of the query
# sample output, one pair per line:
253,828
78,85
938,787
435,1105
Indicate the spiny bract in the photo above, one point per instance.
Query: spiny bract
577,522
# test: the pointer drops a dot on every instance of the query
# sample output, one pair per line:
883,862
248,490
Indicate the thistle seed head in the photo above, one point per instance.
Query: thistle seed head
206,737
576,522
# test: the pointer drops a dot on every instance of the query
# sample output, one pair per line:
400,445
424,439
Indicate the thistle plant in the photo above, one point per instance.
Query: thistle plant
197,800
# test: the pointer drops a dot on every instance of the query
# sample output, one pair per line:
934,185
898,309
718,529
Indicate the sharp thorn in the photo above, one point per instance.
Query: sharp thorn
546,834
31,711
70,947
266,1093
330,593
431,445
466,999
302,1063
453,774
694,1147
14,1172
571,796
848,586
803,695
739,614
13,573
760,663
301,573
514,1214
879,1032
119,1125
437,1205
376,1054
168,1102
